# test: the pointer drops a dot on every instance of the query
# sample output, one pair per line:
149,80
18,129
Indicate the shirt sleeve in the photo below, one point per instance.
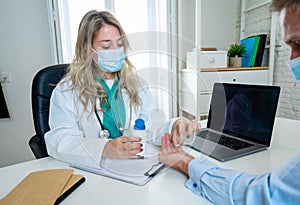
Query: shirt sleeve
225,186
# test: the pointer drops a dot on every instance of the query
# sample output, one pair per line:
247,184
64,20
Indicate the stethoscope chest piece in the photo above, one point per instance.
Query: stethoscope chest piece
104,133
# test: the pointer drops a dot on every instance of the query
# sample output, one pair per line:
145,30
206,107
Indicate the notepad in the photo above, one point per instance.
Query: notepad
44,187
134,171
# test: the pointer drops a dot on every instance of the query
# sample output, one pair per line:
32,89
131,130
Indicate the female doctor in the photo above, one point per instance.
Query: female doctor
100,97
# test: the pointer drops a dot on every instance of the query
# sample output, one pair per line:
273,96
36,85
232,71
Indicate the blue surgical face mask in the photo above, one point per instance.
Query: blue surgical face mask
111,60
295,67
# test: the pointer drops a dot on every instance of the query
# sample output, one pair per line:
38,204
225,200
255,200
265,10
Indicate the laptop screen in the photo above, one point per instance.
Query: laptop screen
244,110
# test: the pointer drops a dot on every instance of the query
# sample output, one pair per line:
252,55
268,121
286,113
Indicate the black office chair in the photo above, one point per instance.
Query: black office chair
42,86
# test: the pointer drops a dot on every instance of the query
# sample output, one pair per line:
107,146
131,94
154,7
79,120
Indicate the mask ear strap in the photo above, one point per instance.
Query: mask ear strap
93,56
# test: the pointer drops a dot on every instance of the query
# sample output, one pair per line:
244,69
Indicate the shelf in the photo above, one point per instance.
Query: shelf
234,69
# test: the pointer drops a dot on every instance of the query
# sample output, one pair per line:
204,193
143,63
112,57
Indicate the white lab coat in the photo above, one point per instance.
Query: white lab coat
74,133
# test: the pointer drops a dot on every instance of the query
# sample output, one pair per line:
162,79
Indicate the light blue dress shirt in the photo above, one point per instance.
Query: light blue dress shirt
224,186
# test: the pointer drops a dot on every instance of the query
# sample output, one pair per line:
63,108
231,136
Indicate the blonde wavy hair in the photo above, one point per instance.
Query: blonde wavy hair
83,69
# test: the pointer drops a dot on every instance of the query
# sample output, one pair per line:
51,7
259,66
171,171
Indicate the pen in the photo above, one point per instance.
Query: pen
148,173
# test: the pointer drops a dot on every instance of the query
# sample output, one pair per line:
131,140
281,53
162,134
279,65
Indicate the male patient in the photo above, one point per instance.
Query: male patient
224,186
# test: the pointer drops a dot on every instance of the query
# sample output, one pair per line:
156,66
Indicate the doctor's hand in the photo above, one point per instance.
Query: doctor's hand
174,156
123,147
184,128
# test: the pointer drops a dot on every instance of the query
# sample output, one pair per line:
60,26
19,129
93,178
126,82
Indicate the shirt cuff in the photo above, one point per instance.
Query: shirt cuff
196,168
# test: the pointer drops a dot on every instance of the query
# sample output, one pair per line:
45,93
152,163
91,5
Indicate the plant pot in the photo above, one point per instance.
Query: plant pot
235,62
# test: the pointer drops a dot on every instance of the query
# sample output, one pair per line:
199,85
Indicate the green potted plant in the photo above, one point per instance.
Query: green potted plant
235,54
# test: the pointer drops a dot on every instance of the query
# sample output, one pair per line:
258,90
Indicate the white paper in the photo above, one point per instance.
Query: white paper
135,171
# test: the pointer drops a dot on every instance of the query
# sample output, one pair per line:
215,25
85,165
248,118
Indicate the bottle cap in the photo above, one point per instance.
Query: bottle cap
139,124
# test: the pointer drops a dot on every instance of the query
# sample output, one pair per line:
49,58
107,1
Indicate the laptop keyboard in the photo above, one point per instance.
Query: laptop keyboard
225,140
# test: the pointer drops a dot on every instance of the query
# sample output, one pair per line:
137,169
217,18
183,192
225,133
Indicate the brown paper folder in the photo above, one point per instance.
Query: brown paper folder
44,187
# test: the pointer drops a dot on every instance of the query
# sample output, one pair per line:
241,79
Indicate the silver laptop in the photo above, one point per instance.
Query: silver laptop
240,120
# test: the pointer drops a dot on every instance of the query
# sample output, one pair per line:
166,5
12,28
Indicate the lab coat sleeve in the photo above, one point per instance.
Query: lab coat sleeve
66,141
225,186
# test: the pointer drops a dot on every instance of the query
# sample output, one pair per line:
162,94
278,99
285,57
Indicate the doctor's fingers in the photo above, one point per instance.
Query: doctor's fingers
132,154
132,146
128,145
194,126
185,128
191,127
129,150
178,133
188,127
126,139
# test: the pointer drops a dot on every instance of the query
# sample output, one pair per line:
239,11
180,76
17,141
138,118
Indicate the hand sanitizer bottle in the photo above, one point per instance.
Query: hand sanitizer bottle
139,130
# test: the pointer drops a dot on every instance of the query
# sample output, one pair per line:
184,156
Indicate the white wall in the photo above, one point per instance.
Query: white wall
186,29
218,23
25,48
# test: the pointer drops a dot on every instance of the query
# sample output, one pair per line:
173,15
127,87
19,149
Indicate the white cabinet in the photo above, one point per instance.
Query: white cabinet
196,87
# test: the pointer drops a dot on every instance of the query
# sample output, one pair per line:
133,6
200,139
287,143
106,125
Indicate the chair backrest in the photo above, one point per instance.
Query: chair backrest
42,86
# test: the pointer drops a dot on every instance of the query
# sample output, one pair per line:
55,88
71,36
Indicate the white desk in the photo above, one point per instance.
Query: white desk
168,186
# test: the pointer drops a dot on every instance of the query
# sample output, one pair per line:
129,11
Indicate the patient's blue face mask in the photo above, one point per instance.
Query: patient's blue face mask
111,60
295,67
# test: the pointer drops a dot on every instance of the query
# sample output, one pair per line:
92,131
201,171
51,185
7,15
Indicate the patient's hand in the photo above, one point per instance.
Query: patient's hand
174,156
